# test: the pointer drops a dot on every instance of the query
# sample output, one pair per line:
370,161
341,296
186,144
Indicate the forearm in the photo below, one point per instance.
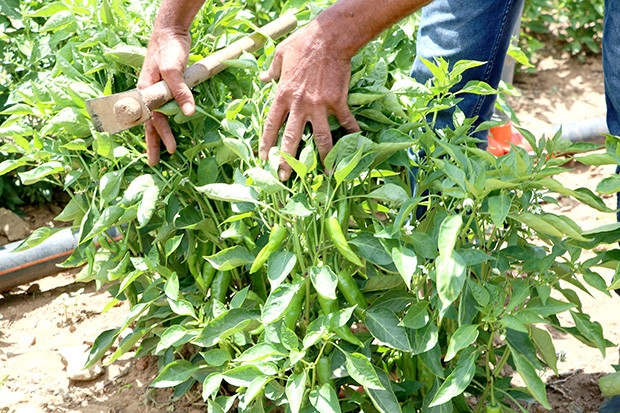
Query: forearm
349,24
177,15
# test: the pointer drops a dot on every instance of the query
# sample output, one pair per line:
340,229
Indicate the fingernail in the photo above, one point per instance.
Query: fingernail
187,109
282,175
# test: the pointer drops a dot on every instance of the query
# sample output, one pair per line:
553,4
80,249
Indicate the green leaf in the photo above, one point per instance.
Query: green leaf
278,302
390,193
261,352
225,325
347,165
101,345
216,357
35,175
362,371
458,380
110,185
37,237
279,266
265,180
448,232
298,166
298,206
463,337
229,258
406,263
229,192
171,287
371,249
532,381
362,99
58,20
451,275
551,307
324,399
295,387
182,307
592,330
544,344
417,316
609,185
610,384
316,330
243,375
174,336
174,374
11,164
384,326
147,204
384,399
127,55
324,281
211,385
499,206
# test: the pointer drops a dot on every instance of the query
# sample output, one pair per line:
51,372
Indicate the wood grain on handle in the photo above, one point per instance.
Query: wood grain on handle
159,93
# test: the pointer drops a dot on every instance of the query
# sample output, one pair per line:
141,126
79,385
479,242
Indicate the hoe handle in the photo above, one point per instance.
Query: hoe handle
159,93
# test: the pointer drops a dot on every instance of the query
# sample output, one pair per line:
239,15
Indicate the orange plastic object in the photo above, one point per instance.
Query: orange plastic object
501,137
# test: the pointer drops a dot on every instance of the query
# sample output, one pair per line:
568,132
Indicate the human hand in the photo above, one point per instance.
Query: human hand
166,58
313,84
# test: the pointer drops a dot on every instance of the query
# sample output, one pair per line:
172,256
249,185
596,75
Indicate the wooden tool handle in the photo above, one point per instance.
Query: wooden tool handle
159,93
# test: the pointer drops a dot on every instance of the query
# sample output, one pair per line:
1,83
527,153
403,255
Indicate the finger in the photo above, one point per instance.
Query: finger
274,71
152,143
180,91
275,119
347,120
322,135
160,122
290,142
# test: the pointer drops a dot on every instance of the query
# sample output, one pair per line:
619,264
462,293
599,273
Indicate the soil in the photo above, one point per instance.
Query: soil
37,321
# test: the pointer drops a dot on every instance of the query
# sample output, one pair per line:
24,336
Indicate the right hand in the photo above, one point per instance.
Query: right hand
166,59
313,84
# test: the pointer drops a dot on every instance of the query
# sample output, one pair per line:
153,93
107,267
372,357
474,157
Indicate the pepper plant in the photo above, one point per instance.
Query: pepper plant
402,274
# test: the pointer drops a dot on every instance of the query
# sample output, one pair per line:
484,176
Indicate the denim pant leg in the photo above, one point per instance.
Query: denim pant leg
611,70
467,30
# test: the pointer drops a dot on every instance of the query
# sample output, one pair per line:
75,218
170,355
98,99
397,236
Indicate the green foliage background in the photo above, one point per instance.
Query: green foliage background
331,292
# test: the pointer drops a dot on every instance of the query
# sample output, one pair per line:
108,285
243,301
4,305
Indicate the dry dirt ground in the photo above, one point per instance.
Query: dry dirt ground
36,324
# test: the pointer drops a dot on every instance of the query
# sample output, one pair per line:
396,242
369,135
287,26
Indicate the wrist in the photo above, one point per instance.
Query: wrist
348,25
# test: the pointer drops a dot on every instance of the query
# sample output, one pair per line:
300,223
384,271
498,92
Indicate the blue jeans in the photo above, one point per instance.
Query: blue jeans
467,30
611,70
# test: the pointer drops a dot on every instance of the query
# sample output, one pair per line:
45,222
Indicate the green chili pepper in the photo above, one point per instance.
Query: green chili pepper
493,408
330,306
219,286
323,371
206,277
407,366
277,236
354,296
257,280
334,230
194,257
103,242
291,316
344,213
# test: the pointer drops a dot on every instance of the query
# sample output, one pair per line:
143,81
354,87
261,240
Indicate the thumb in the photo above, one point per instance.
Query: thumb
274,71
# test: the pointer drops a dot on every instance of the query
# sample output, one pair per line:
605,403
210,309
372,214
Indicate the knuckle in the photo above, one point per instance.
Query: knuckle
289,139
